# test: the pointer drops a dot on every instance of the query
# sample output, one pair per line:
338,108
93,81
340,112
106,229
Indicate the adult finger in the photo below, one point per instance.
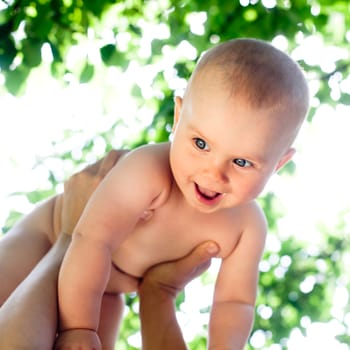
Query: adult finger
109,161
105,164
198,260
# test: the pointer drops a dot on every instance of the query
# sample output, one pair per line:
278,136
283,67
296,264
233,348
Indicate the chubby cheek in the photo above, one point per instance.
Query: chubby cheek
181,158
178,164
182,169
251,190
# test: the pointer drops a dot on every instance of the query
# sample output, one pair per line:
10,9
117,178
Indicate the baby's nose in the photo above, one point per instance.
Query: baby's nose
216,174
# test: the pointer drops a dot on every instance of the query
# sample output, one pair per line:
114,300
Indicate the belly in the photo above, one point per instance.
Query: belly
140,252
165,237
145,248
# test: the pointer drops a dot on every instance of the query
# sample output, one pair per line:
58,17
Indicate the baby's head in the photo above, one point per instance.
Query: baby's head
234,127
261,76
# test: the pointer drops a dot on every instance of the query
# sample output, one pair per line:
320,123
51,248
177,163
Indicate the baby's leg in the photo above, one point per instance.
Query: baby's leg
23,247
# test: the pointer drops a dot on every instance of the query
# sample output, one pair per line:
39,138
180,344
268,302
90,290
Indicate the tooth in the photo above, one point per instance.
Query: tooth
207,193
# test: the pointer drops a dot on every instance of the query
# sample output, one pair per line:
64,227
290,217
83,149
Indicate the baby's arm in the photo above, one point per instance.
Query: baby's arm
233,308
110,215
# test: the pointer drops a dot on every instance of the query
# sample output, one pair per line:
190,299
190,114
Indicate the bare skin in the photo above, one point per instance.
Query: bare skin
202,186
158,291
31,309
29,296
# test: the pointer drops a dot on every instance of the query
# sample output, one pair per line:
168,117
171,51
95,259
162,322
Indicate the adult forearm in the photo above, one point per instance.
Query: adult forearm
159,327
28,318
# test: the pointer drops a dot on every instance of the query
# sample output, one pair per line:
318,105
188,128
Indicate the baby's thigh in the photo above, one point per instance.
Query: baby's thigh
22,248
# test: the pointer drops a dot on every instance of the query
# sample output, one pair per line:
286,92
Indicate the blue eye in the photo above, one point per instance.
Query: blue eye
242,163
201,144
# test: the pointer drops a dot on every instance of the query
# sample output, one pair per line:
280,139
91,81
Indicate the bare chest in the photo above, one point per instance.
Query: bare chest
172,231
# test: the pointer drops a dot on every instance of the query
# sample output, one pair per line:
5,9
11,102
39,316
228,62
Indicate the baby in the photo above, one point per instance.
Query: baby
233,129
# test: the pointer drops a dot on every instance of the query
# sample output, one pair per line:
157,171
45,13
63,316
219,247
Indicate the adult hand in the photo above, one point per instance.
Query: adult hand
79,188
172,277
158,290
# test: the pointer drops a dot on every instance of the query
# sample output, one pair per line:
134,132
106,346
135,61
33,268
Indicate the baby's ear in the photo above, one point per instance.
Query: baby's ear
285,159
177,110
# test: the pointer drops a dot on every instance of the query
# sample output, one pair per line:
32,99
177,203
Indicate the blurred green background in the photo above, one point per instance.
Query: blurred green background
78,78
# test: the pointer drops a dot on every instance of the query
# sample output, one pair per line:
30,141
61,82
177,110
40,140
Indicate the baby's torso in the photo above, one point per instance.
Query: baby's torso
170,232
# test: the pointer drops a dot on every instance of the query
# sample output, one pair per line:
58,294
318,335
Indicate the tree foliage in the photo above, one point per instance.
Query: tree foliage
297,281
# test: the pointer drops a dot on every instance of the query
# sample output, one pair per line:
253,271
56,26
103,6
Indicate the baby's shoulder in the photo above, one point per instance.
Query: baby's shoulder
253,210
153,154
149,163
152,157
249,217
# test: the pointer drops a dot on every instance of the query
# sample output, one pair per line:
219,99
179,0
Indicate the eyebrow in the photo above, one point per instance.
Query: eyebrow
256,159
194,129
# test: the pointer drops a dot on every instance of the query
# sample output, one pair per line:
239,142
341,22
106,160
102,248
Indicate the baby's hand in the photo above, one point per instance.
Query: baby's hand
78,339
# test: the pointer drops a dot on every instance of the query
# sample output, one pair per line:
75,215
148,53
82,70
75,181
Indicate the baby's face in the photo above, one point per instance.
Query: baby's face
223,151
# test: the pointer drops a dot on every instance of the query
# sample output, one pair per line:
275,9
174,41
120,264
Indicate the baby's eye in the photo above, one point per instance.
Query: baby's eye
242,163
200,143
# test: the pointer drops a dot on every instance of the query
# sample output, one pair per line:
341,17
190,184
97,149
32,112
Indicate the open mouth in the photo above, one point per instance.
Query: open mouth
206,194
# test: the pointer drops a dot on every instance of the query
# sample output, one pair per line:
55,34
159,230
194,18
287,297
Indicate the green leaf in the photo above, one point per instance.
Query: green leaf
289,168
87,73
31,49
111,57
37,196
96,7
13,217
180,299
8,52
15,80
